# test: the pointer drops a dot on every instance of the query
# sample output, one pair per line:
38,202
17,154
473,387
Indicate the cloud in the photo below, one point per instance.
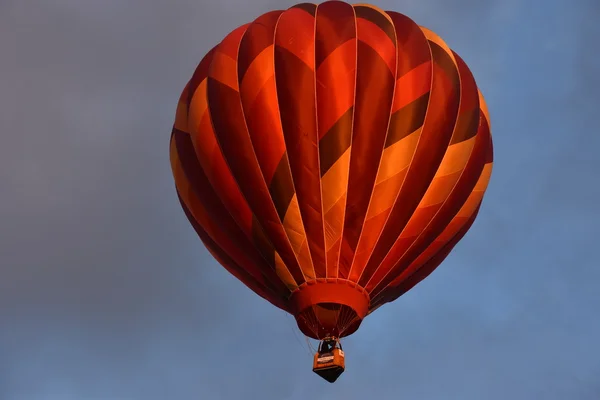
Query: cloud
106,293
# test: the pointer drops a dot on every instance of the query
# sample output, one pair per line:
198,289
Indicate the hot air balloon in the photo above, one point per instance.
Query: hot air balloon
330,157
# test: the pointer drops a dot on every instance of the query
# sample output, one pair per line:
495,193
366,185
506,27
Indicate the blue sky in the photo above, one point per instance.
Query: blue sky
107,294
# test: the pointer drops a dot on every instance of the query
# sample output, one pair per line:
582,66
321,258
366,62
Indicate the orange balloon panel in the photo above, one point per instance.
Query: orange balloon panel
330,157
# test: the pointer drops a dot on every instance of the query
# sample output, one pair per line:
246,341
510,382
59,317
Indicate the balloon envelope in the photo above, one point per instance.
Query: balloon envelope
330,157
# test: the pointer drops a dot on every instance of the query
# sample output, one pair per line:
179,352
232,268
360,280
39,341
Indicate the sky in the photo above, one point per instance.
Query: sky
106,293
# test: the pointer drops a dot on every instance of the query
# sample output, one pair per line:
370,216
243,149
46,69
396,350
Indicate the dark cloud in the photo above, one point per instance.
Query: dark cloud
106,293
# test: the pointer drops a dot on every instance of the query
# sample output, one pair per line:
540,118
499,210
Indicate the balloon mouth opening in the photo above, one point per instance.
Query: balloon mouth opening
329,309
